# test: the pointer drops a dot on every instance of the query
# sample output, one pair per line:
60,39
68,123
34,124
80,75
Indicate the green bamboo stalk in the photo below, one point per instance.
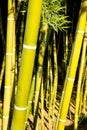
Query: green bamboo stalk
42,106
13,71
47,86
49,68
8,66
63,91
42,47
81,95
55,82
66,41
71,74
30,98
27,63
2,72
50,90
13,50
79,85
39,73
85,96
20,32
2,32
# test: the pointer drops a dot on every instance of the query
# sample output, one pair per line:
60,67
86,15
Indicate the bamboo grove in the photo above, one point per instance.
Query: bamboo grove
43,68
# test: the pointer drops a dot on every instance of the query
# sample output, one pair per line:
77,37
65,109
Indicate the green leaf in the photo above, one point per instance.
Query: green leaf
53,13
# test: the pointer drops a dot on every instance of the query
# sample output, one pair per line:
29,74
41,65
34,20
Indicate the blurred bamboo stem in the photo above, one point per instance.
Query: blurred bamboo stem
72,71
82,63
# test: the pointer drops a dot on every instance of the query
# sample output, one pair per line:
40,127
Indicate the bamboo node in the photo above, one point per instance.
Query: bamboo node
8,87
61,120
20,108
29,47
30,101
71,79
80,31
5,117
10,19
8,54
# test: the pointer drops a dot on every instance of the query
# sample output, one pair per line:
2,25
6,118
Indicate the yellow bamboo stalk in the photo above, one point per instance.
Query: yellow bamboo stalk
81,95
50,91
39,72
13,70
8,66
13,50
42,106
73,66
40,62
66,41
79,85
85,96
2,72
27,63
30,98
55,82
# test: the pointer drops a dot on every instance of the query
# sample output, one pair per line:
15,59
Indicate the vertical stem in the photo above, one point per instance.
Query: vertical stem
55,82
72,71
42,106
27,63
85,95
8,66
79,84
2,72
39,73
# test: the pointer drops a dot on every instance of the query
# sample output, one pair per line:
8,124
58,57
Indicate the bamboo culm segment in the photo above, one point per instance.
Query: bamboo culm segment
27,63
79,84
72,71
8,66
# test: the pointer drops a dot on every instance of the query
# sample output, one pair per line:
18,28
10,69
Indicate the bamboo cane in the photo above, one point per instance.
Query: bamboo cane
2,72
30,98
72,72
79,84
81,95
39,73
85,96
40,63
8,72
20,33
66,42
27,63
55,82
50,91
42,106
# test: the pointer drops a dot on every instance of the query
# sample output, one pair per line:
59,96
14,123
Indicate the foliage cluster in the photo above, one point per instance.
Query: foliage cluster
53,13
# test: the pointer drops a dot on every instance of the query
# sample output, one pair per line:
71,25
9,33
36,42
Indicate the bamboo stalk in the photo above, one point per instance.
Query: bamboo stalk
2,72
8,66
73,66
20,33
30,98
50,90
85,96
39,73
55,82
40,64
42,106
81,95
27,63
79,84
